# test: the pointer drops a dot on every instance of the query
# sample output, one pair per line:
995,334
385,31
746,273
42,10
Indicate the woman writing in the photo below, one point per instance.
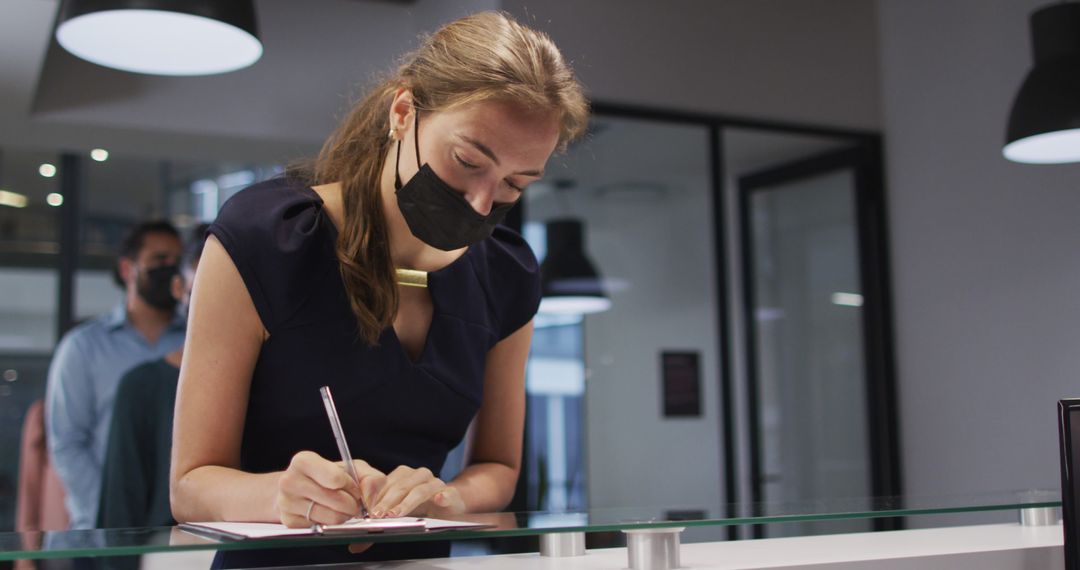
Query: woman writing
301,285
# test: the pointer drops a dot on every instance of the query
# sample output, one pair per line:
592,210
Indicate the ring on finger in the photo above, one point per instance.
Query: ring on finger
308,515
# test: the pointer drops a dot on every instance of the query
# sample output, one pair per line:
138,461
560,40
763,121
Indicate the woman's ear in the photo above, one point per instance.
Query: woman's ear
401,110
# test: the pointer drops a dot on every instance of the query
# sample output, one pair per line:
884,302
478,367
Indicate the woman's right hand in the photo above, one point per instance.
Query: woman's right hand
316,490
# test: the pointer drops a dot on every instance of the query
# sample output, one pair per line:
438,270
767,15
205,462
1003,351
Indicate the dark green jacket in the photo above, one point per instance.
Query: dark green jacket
135,478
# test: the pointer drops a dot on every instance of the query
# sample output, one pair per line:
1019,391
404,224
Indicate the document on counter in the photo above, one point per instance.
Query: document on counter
353,527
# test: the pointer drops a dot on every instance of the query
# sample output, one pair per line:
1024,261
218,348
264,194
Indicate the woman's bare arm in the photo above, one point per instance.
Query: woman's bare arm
487,483
224,337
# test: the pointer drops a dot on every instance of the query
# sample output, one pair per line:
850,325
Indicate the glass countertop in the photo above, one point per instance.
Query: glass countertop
123,542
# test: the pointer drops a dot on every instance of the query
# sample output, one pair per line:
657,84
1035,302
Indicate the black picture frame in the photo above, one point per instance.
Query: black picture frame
681,383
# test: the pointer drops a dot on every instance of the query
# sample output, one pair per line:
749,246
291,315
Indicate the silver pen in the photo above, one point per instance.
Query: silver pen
343,447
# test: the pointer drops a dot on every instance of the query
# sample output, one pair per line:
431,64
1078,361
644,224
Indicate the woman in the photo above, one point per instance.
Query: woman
299,286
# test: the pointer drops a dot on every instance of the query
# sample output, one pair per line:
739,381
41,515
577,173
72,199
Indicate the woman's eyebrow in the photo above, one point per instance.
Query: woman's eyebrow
483,148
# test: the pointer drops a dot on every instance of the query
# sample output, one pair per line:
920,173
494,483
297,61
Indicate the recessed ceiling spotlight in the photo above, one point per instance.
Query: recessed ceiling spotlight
47,170
847,299
54,199
99,154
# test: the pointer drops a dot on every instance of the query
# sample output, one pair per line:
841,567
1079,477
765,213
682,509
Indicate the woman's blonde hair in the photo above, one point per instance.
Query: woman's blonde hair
485,56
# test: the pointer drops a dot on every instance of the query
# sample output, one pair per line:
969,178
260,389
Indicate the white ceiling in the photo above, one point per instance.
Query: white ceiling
811,61
318,55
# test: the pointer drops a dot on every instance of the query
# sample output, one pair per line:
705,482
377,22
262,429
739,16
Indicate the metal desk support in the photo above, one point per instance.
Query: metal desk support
562,544
654,548
1040,516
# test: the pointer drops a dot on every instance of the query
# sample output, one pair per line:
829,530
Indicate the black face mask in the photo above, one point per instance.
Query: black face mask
155,287
437,214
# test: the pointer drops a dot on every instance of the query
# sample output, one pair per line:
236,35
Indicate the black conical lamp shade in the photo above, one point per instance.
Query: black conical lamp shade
1044,125
571,283
161,37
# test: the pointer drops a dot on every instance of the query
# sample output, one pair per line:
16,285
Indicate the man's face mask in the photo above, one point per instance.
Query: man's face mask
437,214
155,286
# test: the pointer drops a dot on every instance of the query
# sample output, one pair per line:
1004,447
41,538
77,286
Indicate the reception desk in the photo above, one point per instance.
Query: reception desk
1033,542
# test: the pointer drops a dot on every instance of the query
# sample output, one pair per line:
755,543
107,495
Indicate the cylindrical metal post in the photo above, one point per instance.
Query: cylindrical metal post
1042,516
653,549
562,544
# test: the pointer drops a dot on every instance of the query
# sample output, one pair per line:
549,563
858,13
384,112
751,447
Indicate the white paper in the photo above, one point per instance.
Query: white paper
274,530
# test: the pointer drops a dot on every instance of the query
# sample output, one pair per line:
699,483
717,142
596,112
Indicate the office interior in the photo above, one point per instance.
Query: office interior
825,280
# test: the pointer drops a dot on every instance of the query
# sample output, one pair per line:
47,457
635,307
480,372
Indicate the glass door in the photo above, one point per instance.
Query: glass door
812,300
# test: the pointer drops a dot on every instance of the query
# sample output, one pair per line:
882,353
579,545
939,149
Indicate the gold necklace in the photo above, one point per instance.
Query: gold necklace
411,277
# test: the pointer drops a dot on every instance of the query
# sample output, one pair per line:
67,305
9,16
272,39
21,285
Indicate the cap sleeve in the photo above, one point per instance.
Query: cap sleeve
514,280
280,243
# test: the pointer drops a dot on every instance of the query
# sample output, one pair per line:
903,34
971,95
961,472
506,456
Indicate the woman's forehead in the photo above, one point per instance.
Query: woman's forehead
505,128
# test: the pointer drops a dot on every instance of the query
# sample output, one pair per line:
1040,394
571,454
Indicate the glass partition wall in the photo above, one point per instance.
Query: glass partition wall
29,247
655,389
640,192
62,217
746,353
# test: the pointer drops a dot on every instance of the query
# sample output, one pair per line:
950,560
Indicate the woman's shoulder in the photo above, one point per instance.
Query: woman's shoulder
267,202
279,241
511,276
282,213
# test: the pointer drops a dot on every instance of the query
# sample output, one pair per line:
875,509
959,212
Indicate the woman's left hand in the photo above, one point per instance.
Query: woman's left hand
416,492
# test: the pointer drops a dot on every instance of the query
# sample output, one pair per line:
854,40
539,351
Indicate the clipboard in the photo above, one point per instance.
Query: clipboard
238,531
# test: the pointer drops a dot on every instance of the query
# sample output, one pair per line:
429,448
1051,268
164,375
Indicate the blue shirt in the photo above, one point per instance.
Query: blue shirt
83,376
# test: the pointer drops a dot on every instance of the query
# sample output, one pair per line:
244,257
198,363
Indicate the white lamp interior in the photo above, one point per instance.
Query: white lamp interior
1047,148
574,305
158,42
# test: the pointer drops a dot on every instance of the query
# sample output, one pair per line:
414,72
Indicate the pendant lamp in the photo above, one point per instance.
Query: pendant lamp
571,285
161,37
1044,125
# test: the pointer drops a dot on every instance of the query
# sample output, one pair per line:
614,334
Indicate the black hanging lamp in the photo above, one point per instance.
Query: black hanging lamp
1044,125
161,37
571,284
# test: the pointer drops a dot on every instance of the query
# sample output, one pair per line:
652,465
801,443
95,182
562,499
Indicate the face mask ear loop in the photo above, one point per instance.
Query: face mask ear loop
416,141
416,134
397,167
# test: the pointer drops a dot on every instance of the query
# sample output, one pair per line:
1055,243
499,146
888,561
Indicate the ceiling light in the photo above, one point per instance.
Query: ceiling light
47,170
12,199
99,154
54,199
570,282
1044,124
573,305
847,299
162,37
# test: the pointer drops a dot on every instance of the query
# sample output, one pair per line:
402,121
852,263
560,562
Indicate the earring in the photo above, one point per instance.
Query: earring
393,131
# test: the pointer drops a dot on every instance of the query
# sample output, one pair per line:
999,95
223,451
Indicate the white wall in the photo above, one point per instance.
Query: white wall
985,253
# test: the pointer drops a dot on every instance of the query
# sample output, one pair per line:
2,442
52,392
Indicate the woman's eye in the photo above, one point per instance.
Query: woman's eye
463,163
516,188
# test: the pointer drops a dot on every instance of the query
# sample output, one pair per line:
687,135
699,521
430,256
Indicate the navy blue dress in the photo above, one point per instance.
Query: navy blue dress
394,411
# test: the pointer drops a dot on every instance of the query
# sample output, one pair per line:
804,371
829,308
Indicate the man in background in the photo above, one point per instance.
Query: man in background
135,475
91,358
